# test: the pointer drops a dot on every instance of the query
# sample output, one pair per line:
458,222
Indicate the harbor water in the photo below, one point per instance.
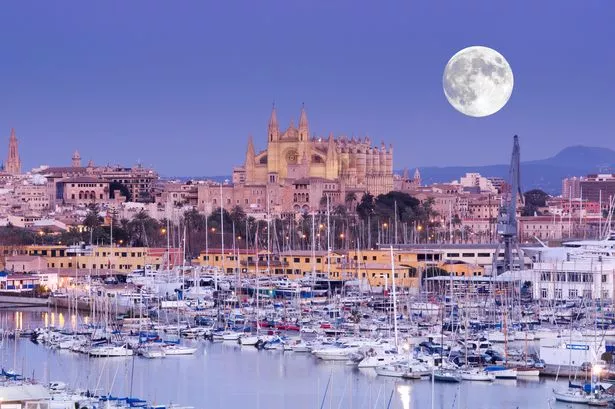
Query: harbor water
226,375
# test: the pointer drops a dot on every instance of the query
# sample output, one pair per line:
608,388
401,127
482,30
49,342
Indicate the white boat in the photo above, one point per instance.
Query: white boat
334,353
393,370
111,350
231,336
476,375
379,358
501,372
525,372
152,352
173,349
571,395
249,340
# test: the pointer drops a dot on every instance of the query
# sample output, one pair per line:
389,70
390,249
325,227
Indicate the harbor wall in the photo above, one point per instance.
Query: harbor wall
10,301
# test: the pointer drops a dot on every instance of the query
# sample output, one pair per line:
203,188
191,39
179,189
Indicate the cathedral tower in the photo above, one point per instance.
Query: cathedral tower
13,163
76,160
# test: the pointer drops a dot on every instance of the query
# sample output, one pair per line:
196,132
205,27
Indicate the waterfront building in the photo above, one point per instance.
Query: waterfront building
573,279
18,282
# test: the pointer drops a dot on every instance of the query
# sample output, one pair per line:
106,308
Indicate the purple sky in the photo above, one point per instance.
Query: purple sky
181,85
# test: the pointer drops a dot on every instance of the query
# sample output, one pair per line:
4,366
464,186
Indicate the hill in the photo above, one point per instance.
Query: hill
545,174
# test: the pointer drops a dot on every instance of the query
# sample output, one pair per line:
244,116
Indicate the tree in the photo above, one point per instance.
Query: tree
113,186
366,207
350,198
534,199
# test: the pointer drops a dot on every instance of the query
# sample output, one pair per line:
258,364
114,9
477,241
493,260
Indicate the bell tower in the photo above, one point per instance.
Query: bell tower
13,163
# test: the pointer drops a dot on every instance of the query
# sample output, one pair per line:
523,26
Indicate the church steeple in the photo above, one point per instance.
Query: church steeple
76,160
273,129
250,160
417,177
304,128
13,163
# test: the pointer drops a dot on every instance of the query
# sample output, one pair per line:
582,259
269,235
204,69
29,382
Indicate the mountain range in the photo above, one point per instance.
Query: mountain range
545,174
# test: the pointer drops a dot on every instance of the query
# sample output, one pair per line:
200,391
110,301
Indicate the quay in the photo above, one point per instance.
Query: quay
10,301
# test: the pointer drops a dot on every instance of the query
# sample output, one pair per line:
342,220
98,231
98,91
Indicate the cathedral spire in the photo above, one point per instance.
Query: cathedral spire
304,128
250,145
274,130
13,163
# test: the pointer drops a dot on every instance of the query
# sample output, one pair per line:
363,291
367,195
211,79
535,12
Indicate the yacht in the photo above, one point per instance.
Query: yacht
111,351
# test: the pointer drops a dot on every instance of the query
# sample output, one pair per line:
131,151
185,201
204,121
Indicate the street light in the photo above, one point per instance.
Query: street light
163,231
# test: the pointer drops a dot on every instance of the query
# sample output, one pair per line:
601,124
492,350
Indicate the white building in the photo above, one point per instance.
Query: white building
475,180
572,279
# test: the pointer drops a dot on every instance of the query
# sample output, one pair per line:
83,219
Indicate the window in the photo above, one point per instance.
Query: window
296,260
573,293
587,294
605,294
544,293
604,278
318,260
484,255
558,293
307,259
373,258
467,254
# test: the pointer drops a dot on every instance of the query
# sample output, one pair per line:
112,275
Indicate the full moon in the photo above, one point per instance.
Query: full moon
478,81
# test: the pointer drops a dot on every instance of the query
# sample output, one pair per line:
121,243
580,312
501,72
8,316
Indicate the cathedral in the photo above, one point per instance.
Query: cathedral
293,154
297,169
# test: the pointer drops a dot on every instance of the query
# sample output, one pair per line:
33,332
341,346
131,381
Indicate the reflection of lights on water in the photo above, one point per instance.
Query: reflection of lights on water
404,395
61,320
53,319
18,320
73,321
86,319
46,319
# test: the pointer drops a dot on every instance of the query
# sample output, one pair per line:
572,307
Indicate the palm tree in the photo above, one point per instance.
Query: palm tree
350,198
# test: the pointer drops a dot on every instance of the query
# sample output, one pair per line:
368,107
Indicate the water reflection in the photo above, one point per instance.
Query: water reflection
404,395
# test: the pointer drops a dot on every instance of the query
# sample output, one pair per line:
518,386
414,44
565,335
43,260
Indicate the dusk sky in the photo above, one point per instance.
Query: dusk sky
179,85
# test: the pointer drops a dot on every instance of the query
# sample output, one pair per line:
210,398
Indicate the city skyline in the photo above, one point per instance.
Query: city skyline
166,94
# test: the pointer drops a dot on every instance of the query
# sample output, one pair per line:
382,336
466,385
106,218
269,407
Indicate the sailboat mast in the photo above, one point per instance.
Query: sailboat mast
222,227
394,298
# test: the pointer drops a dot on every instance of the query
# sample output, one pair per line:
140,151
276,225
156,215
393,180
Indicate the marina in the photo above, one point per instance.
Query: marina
255,378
